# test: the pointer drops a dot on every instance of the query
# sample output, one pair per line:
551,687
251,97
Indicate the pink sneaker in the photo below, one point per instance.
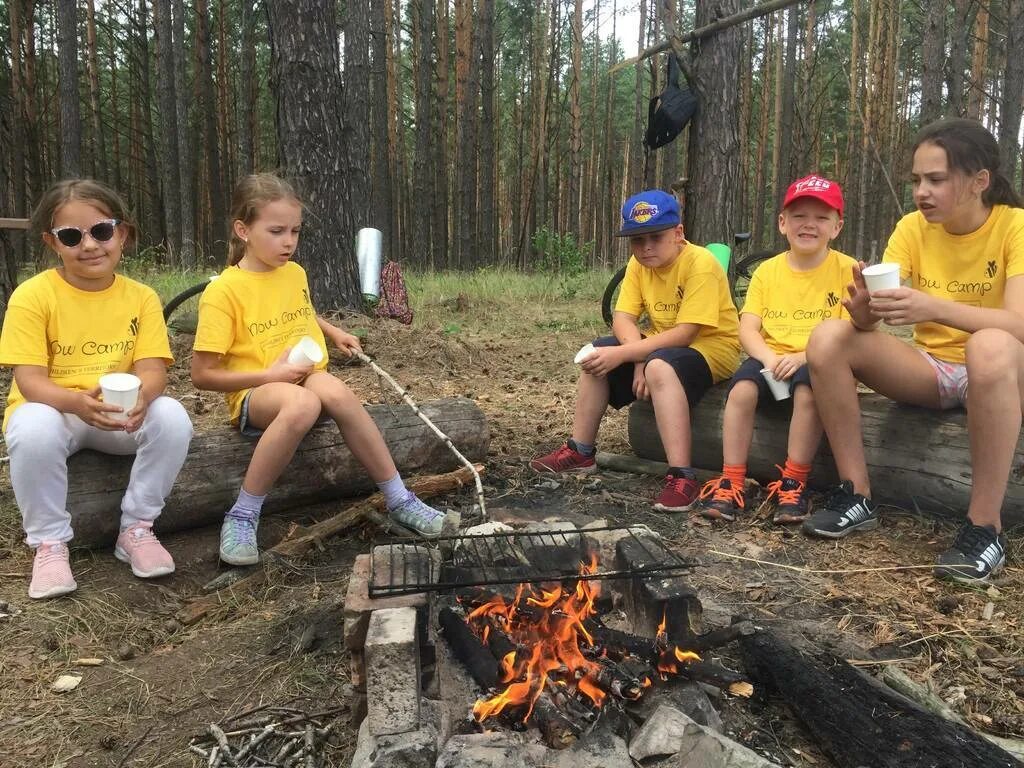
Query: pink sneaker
51,571
138,547
565,459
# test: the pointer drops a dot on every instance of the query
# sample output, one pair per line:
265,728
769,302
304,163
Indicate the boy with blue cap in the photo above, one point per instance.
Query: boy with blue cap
691,344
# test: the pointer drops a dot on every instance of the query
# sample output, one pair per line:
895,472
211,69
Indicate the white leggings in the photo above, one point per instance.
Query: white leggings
40,439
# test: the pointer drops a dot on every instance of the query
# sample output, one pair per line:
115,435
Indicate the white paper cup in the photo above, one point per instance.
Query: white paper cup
583,354
305,352
880,277
780,389
120,389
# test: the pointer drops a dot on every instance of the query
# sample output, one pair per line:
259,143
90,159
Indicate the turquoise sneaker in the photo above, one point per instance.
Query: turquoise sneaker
420,517
238,539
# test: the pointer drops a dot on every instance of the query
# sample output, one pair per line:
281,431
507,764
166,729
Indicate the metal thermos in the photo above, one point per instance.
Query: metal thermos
368,256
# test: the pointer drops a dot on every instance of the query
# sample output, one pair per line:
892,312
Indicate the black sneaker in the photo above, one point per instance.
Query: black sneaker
791,502
977,553
843,513
719,500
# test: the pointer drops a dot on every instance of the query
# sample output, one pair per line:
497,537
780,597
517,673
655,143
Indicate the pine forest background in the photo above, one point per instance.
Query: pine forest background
479,133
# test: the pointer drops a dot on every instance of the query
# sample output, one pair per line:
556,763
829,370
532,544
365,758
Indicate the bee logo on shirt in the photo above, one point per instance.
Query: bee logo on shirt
679,292
305,297
133,326
831,300
991,269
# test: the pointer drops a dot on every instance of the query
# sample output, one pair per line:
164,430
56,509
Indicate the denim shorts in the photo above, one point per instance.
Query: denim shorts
689,364
248,430
750,370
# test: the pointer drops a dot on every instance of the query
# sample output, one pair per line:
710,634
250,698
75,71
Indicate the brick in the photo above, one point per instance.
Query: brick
359,606
392,672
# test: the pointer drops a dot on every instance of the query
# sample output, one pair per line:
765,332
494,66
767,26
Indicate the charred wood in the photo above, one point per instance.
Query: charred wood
468,649
858,721
714,674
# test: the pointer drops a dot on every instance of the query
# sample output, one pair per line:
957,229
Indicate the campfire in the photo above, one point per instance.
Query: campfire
545,657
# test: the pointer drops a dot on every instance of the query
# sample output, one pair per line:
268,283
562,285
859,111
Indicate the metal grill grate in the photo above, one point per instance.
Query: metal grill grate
449,562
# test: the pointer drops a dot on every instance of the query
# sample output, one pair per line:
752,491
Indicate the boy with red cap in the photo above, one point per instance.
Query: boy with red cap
691,344
788,296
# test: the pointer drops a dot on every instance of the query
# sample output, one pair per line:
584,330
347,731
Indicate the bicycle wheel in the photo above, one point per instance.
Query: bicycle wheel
188,316
610,293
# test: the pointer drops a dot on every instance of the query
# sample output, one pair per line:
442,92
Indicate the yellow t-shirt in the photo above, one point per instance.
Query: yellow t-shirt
791,303
692,289
969,269
250,317
79,335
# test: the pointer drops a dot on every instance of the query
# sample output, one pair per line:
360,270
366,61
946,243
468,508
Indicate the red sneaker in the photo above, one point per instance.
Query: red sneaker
678,495
565,459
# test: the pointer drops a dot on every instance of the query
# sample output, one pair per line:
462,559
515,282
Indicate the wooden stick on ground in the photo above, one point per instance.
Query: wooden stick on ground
424,487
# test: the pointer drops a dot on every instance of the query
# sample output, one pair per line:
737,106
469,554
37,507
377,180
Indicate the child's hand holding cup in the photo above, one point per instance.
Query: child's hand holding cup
881,277
120,389
306,352
779,387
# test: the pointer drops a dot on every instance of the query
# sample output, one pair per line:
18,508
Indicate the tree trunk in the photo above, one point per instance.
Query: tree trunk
421,14
186,145
487,243
933,56
467,109
247,91
439,206
318,151
958,56
382,199
99,149
216,228
714,151
1012,97
636,145
67,64
979,61
115,130
758,213
170,173
15,120
576,122
791,147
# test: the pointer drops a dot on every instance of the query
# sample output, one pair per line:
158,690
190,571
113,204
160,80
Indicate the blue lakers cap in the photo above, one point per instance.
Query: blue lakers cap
648,211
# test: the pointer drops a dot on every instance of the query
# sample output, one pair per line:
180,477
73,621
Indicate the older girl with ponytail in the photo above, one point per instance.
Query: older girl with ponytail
961,260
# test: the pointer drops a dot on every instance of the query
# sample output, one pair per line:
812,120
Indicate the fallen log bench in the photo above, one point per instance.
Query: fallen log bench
323,468
918,458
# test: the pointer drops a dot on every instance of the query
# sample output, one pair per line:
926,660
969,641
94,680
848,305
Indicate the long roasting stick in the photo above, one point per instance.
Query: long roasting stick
423,417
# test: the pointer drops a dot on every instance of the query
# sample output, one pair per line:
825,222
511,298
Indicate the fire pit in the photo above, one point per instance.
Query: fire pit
497,634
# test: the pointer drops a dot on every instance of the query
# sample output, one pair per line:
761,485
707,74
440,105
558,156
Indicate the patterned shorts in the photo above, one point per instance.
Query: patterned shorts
952,381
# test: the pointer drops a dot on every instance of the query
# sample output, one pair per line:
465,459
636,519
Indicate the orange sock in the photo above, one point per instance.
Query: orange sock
794,471
736,474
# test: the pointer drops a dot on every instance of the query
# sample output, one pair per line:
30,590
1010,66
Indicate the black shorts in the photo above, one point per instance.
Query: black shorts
689,364
750,370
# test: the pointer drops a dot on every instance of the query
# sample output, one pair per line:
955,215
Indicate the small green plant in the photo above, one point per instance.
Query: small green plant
560,253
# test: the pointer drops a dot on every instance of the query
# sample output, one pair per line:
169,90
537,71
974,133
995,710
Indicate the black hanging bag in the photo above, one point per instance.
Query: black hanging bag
669,113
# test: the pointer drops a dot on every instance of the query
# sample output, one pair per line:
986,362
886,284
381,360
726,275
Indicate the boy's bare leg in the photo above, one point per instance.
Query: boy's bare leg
738,422
805,428
357,427
839,355
286,412
995,375
671,411
592,393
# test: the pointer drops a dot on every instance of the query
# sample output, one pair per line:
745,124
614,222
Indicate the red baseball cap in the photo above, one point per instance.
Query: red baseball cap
817,187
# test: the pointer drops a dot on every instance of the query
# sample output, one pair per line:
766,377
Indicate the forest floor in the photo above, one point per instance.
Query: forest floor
161,683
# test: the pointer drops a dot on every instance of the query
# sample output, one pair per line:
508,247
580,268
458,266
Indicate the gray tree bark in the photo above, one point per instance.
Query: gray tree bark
933,56
422,18
488,239
186,147
714,152
170,173
325,156
70,112
1012,97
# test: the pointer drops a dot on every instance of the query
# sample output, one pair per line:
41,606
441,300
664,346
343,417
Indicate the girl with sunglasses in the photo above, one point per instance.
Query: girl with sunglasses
250,318
961,257
63,330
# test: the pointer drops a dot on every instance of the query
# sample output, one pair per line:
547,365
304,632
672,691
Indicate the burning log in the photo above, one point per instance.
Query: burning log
556,728
468,649
721,677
